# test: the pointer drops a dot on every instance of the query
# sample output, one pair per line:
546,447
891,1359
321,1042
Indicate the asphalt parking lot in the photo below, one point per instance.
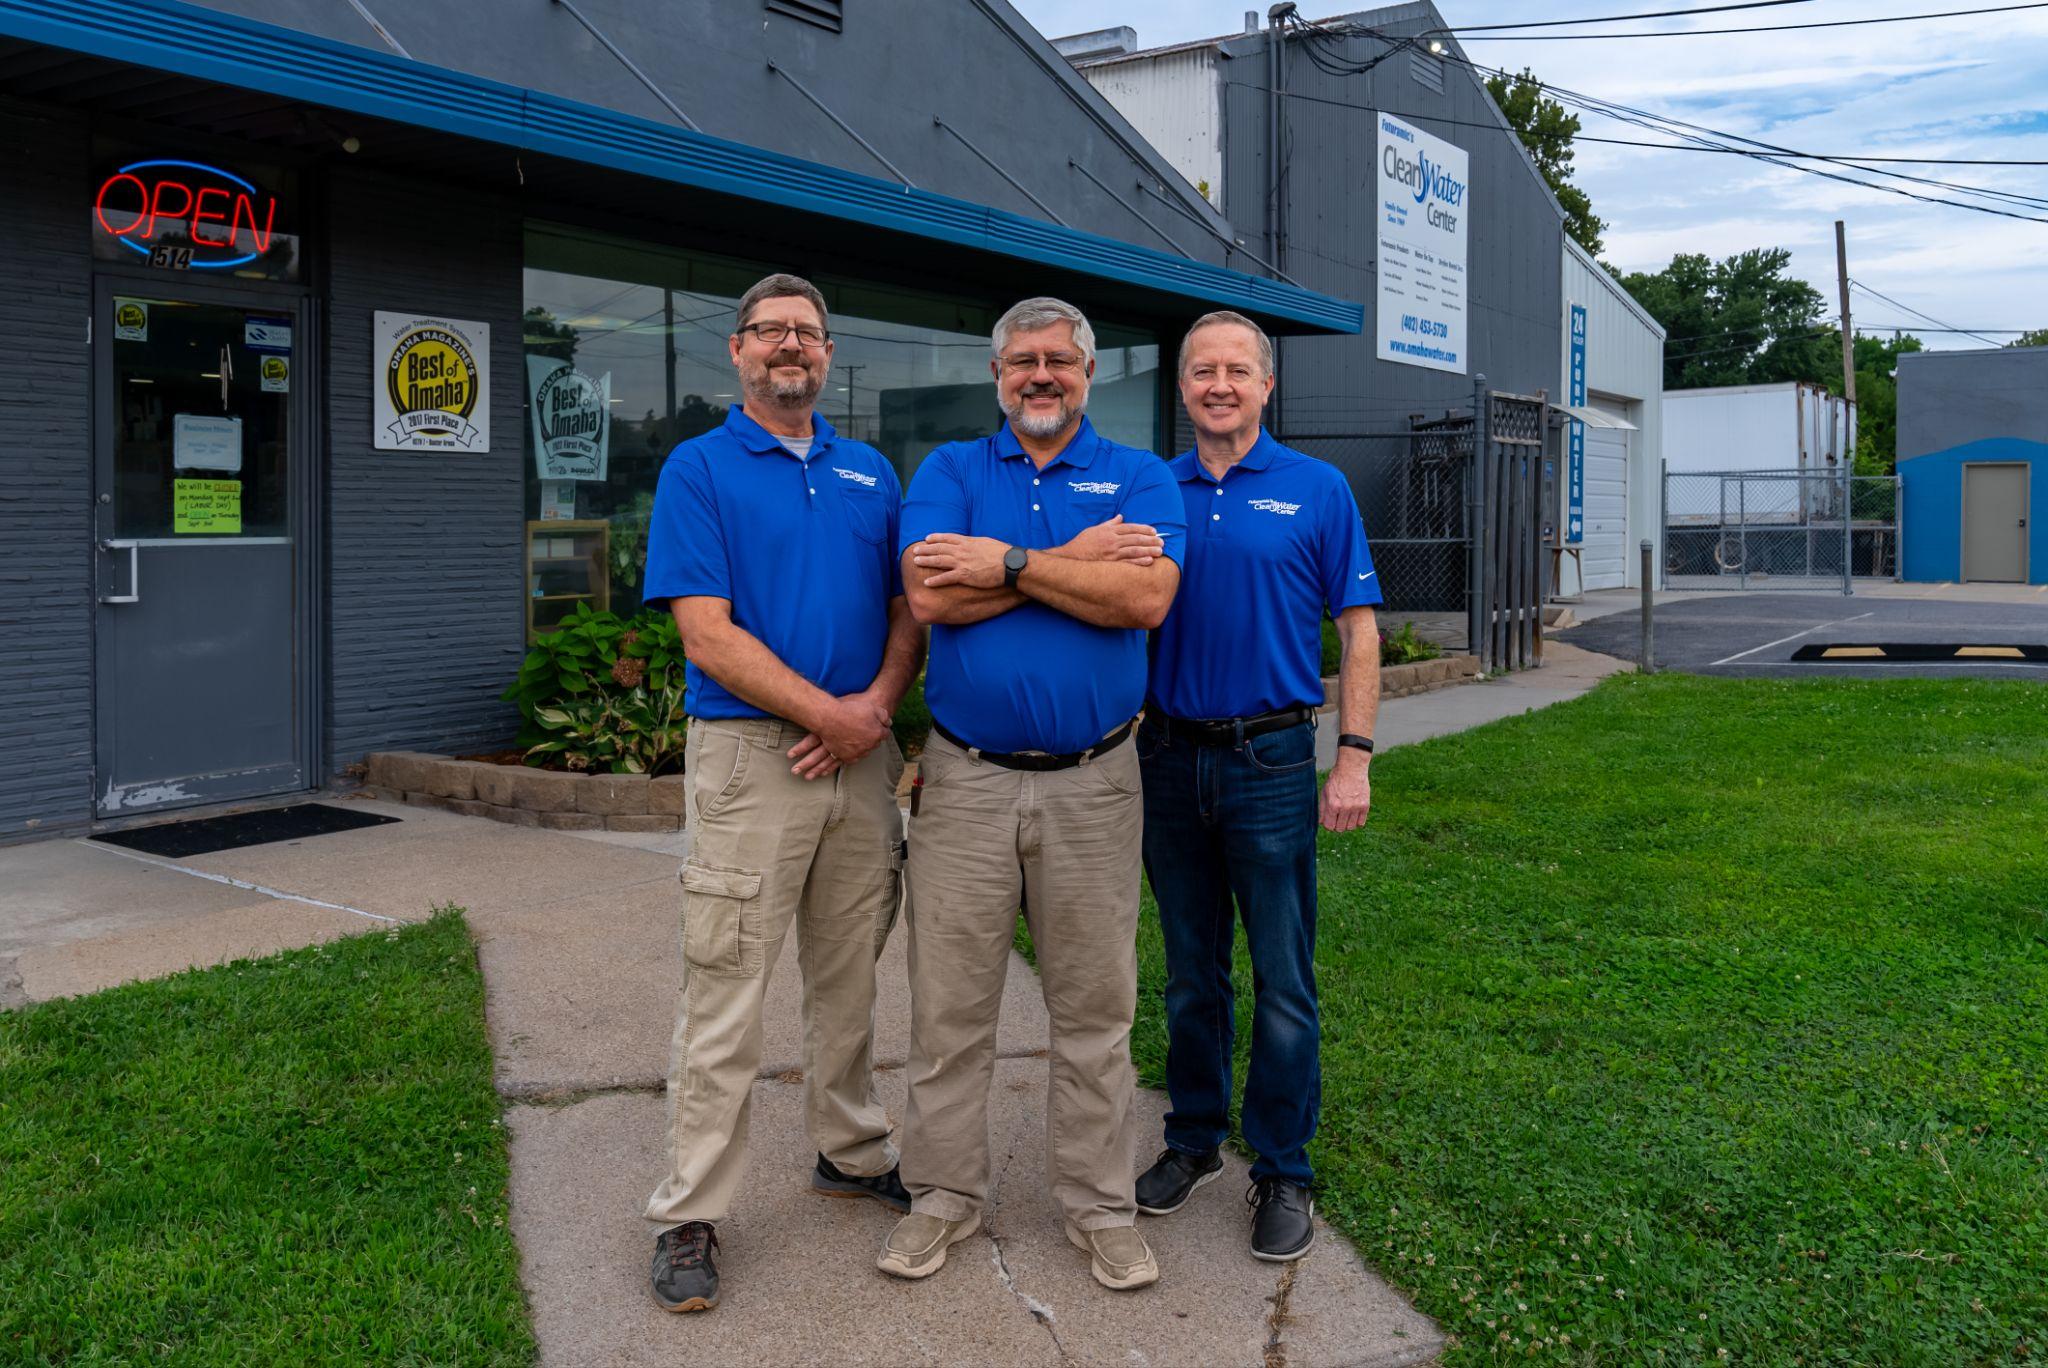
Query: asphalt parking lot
1756,635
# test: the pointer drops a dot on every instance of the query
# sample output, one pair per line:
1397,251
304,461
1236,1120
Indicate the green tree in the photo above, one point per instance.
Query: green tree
1877,400
2037,338
1739,321
1547,131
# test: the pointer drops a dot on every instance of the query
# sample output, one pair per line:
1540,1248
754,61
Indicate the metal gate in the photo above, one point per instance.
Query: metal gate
1802,530
1422,493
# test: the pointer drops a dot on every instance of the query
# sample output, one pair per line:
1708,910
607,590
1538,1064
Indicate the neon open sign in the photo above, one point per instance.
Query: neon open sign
186,214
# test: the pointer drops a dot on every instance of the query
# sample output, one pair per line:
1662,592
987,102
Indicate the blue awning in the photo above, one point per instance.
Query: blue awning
228,50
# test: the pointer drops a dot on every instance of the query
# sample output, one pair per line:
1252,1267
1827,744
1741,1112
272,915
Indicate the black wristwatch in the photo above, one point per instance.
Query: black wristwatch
1014,561
1355,741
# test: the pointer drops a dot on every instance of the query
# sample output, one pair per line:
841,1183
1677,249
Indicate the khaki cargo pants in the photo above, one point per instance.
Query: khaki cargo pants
770,850
1065,846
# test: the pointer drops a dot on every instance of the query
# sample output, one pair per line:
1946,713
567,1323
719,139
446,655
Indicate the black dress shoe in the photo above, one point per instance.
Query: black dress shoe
685,1278
1283,1220
1166,1186
886,1188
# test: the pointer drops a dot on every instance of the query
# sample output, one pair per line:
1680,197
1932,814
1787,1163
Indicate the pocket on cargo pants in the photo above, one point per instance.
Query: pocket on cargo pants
722,918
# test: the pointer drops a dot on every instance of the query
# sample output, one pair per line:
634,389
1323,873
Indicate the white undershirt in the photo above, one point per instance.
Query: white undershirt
799,447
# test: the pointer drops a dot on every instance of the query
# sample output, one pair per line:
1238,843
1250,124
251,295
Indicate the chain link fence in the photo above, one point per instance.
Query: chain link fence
1424,483
1779,529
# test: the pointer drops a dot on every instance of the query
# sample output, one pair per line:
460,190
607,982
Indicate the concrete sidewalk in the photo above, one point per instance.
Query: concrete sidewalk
578,940
579,946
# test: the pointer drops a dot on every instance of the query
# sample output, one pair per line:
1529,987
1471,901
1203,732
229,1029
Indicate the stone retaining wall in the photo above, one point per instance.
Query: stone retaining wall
525,796
1422,676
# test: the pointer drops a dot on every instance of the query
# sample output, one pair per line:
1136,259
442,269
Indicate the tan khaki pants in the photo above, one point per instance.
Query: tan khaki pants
770,849
1065,845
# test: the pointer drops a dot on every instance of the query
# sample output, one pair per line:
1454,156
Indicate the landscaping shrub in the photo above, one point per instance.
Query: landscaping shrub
604,694
1403,647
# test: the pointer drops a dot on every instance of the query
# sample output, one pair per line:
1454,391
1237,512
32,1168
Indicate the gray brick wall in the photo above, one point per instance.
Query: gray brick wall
424,561
46,488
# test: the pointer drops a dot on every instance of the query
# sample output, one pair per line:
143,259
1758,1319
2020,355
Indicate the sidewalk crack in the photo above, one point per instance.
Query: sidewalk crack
1040,1312
1278,1318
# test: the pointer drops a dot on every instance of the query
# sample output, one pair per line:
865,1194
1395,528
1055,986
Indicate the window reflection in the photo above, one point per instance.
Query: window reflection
626,356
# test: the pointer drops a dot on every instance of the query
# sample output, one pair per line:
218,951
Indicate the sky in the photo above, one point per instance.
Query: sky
1962,87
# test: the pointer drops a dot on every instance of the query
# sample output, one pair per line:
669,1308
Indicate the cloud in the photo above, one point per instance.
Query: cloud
1970,86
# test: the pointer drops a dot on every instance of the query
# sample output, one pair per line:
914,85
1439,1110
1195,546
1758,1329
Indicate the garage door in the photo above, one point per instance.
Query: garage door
1606,544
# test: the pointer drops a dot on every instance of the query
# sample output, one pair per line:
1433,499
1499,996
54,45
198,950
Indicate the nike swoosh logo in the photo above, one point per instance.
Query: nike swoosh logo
1369,574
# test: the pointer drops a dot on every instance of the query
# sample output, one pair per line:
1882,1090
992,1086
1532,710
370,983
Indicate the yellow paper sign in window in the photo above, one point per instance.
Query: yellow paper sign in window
213,506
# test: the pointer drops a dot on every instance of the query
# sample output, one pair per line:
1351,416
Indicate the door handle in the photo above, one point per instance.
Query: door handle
134,594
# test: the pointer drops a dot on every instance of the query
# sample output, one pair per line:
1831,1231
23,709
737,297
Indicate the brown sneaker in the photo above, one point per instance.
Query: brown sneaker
917,1246
1119,1257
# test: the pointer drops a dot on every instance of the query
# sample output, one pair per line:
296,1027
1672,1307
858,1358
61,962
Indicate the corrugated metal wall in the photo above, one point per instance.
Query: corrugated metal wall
1176,98
46,495
424,556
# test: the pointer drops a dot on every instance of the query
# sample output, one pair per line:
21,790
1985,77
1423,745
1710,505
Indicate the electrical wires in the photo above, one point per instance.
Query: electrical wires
1479,37
1324,42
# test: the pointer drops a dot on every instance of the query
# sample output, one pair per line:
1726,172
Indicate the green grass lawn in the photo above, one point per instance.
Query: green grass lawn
288,1160
1698,1021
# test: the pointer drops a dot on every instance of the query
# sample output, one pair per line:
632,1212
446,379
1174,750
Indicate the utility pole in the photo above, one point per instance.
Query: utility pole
852,371
1847,455
1848,342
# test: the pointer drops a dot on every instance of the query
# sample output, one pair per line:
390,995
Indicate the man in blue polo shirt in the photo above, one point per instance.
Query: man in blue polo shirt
1228,749
1040,556
773,543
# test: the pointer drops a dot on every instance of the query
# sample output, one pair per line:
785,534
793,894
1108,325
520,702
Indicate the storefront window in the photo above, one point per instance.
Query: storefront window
626,356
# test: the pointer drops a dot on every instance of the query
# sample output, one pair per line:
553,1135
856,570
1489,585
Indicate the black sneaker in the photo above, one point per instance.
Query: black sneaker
1166,1186
685,1278
886,1188
1283,1220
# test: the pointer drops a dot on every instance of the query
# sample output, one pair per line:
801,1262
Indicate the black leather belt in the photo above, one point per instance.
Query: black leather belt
1040,761
1227,731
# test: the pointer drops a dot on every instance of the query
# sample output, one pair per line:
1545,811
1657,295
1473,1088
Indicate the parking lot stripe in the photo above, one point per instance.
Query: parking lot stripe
1730,660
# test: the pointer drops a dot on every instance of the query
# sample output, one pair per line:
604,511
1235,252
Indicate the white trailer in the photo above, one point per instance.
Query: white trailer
1795,430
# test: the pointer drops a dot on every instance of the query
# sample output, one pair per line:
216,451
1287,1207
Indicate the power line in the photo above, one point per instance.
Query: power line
1753,28
1502,126
1806,156
1619,18
1768,153
1856,284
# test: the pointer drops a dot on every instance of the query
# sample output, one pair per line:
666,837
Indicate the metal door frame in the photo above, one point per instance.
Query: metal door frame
304,472
2026,470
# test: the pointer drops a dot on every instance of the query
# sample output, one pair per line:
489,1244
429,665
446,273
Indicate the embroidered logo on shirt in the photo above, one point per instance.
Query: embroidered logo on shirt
854,475
1093,487
1275,506
1368,574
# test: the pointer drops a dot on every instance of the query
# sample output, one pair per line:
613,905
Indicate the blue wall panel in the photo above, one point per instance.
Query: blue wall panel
1931,494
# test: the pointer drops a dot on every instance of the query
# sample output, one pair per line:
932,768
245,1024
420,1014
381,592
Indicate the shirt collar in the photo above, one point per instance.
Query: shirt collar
762,442
1188,465
1079,452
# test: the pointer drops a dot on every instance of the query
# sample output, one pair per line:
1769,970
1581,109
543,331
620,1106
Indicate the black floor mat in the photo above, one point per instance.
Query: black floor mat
204,835
1921,653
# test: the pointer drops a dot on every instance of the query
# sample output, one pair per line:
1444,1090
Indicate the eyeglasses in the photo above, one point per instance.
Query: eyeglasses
775,333
1059,363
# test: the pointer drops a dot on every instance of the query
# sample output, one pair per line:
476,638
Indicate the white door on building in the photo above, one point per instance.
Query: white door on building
1606,543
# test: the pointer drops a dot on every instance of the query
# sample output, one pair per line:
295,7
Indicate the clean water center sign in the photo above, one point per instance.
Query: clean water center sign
1424,202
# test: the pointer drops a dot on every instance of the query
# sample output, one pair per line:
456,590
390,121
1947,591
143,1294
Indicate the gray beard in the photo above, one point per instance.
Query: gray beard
1049,426
785,393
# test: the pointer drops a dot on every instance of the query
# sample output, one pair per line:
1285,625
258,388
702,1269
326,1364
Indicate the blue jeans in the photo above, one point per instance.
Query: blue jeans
1230,833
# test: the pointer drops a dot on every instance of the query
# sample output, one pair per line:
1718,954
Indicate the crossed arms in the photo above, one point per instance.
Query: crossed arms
1111,575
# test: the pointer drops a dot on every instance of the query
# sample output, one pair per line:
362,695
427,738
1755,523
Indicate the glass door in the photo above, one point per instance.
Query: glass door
200,670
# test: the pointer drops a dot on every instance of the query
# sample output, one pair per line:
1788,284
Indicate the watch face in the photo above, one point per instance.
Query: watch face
1015,558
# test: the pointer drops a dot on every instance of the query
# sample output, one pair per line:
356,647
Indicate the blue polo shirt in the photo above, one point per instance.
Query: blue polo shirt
1034,678
1270,546
804,548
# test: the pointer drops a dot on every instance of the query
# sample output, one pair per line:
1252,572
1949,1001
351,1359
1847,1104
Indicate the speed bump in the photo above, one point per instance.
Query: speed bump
1920,653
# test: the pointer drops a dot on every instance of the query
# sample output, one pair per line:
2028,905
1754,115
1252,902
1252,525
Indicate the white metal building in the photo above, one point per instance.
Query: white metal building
1624,427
